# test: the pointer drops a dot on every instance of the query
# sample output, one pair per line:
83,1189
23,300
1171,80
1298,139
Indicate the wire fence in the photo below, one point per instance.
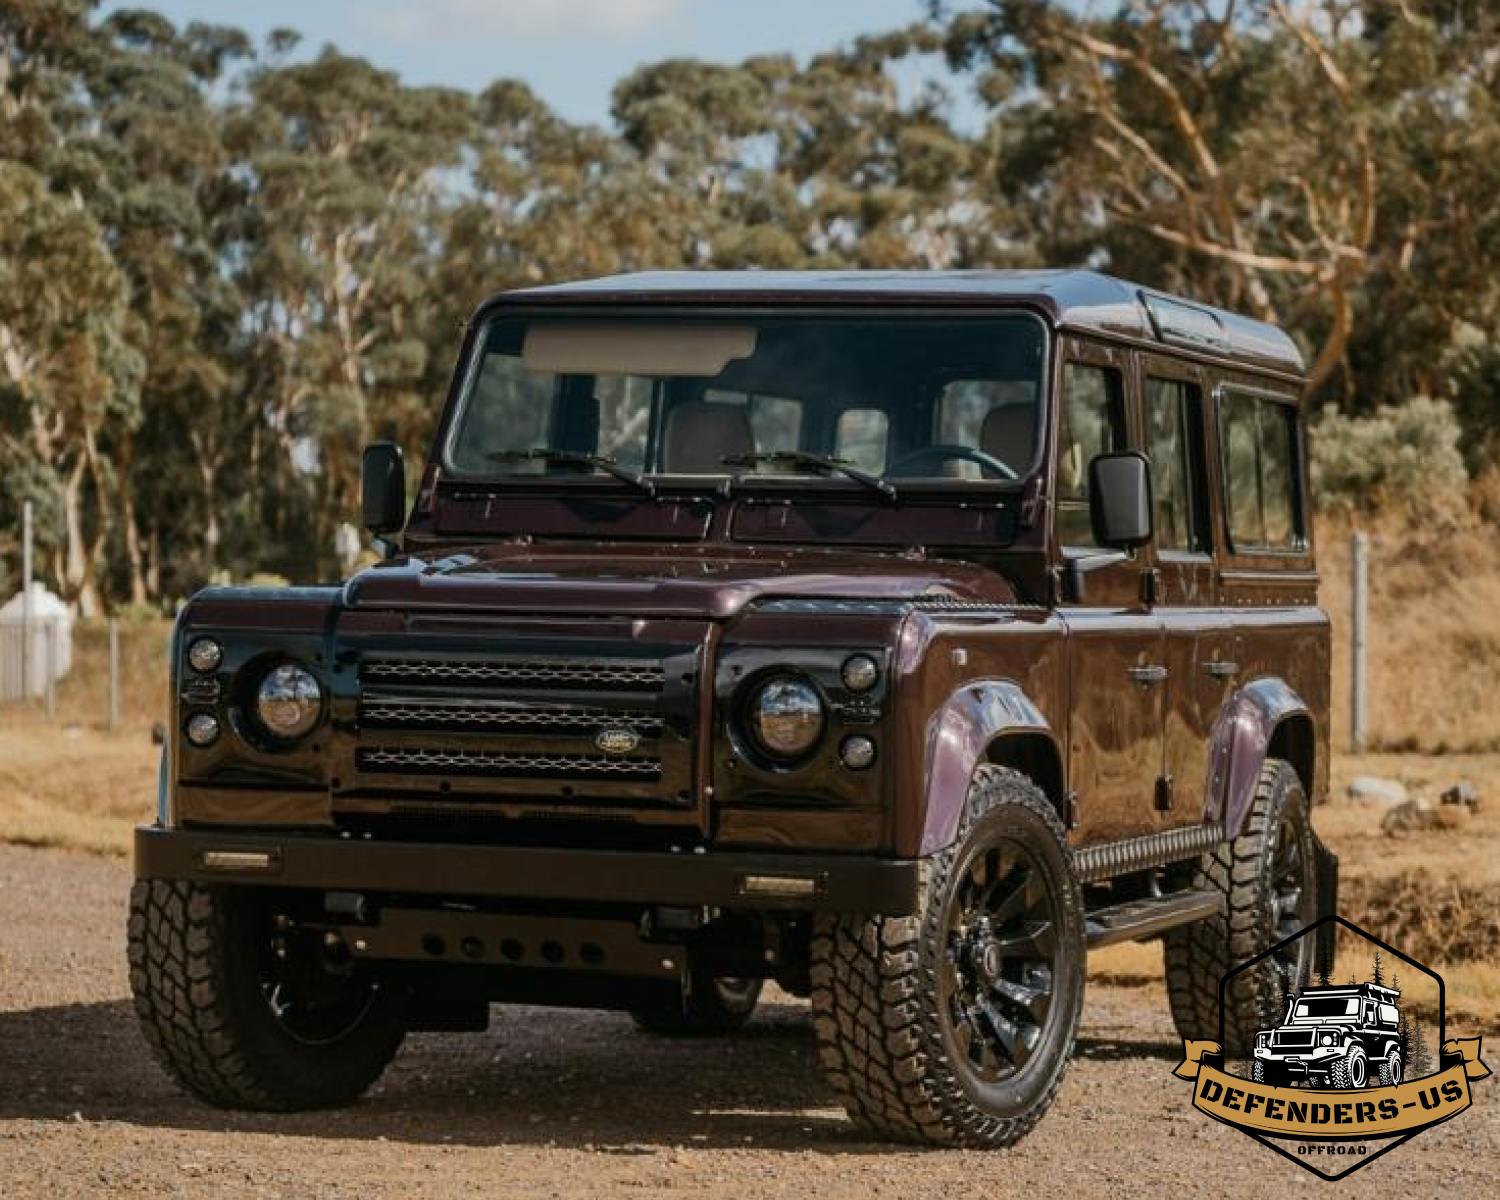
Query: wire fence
108,674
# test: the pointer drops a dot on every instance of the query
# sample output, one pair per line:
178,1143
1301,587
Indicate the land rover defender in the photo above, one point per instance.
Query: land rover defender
896,637
1334,1036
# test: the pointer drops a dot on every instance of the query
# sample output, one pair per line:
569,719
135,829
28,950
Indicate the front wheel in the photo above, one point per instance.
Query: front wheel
954,1026
1351,1071
247,1008
1264,1072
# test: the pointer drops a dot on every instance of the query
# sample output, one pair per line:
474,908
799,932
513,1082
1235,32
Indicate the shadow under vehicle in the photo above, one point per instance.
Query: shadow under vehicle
895,636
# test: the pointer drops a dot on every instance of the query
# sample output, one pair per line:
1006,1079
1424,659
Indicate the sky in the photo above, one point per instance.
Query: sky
571,52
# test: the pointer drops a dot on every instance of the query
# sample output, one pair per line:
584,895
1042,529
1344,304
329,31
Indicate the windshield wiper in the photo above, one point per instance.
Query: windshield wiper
597,461
807,459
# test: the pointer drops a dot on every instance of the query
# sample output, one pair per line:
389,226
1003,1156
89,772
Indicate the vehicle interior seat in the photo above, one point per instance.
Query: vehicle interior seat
699,435
1009,434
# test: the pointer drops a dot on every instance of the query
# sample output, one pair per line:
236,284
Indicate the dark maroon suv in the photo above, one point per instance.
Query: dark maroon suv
896,637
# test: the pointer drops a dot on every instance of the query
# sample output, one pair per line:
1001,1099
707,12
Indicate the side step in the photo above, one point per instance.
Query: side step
1137,920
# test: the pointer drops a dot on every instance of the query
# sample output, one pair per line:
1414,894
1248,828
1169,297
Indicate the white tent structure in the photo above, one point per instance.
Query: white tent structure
36,643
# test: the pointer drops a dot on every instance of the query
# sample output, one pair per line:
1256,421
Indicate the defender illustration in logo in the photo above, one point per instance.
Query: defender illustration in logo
1333,1037
1339,1075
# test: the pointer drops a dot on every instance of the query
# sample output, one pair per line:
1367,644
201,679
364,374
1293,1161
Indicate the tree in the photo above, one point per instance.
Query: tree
1377,975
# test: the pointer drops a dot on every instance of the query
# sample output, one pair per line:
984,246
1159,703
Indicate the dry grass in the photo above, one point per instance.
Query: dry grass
1434,635
74,787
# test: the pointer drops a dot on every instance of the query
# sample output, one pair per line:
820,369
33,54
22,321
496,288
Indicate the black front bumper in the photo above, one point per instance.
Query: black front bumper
739,880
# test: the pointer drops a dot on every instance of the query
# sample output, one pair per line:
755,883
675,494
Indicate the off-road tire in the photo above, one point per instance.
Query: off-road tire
703,1010
875,992
1343,1073
209,1024
1199,955
1391,1069
1264,1072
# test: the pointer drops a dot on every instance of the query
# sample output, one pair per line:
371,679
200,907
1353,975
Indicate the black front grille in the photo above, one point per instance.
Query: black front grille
460,714
528,673
506,764
521,725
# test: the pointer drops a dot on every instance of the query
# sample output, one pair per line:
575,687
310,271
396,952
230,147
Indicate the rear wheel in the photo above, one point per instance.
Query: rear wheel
955,1026
712,1006
1267,877
1391,1069
248,1009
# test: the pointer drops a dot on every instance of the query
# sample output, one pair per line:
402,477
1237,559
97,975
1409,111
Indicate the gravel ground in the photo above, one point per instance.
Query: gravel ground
554,1103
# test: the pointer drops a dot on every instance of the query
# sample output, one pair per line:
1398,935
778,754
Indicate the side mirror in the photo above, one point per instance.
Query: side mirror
1120,508
383,488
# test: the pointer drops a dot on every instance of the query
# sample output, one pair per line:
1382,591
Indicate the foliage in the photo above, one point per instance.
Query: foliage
1403,457
223,266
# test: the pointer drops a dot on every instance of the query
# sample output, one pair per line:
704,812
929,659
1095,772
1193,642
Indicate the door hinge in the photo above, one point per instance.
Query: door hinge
1070,809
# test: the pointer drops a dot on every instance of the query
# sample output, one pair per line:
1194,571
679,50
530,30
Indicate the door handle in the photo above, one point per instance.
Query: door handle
1146,676
1220,669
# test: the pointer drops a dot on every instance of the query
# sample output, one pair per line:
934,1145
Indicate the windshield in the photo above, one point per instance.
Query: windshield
1327,1008
897,397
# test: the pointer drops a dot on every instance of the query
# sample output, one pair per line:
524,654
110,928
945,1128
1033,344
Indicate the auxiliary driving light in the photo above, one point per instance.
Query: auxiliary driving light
205,655
203,729
859,673
289,701
857,752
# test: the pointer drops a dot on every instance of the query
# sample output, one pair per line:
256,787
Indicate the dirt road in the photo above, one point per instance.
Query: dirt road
553,1104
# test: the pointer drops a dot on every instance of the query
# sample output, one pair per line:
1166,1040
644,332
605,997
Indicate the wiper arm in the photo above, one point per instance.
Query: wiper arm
822,461
598,461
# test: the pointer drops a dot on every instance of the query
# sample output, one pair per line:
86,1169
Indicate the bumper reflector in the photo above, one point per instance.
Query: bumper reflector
239,860
778,885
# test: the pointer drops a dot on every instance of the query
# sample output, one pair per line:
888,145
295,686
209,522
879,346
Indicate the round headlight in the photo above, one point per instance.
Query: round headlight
289,701
786,717
205,655
859,673
1328,1039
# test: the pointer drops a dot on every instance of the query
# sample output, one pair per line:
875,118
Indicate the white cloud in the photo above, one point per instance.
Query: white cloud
525,19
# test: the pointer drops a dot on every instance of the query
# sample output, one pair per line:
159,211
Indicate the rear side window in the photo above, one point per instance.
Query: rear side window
1092,422
1260,472
1389,1015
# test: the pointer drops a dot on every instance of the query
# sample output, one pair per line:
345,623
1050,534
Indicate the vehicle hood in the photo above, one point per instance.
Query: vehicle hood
704,582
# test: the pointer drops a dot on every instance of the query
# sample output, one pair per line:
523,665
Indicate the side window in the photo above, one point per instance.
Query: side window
1092,422
1173,441
1389,1015
1260,472
861,437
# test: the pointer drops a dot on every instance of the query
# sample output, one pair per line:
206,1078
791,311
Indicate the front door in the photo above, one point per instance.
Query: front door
1199,648
1115,640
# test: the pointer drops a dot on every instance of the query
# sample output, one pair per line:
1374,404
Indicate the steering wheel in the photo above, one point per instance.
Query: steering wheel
947,452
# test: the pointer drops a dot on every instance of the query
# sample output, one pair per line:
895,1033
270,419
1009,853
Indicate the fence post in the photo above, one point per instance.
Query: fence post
50,689
26,600
1358,620
114,672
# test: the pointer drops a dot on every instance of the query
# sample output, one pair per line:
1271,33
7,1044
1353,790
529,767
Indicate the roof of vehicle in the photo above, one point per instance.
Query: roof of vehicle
1348,989
1083,301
